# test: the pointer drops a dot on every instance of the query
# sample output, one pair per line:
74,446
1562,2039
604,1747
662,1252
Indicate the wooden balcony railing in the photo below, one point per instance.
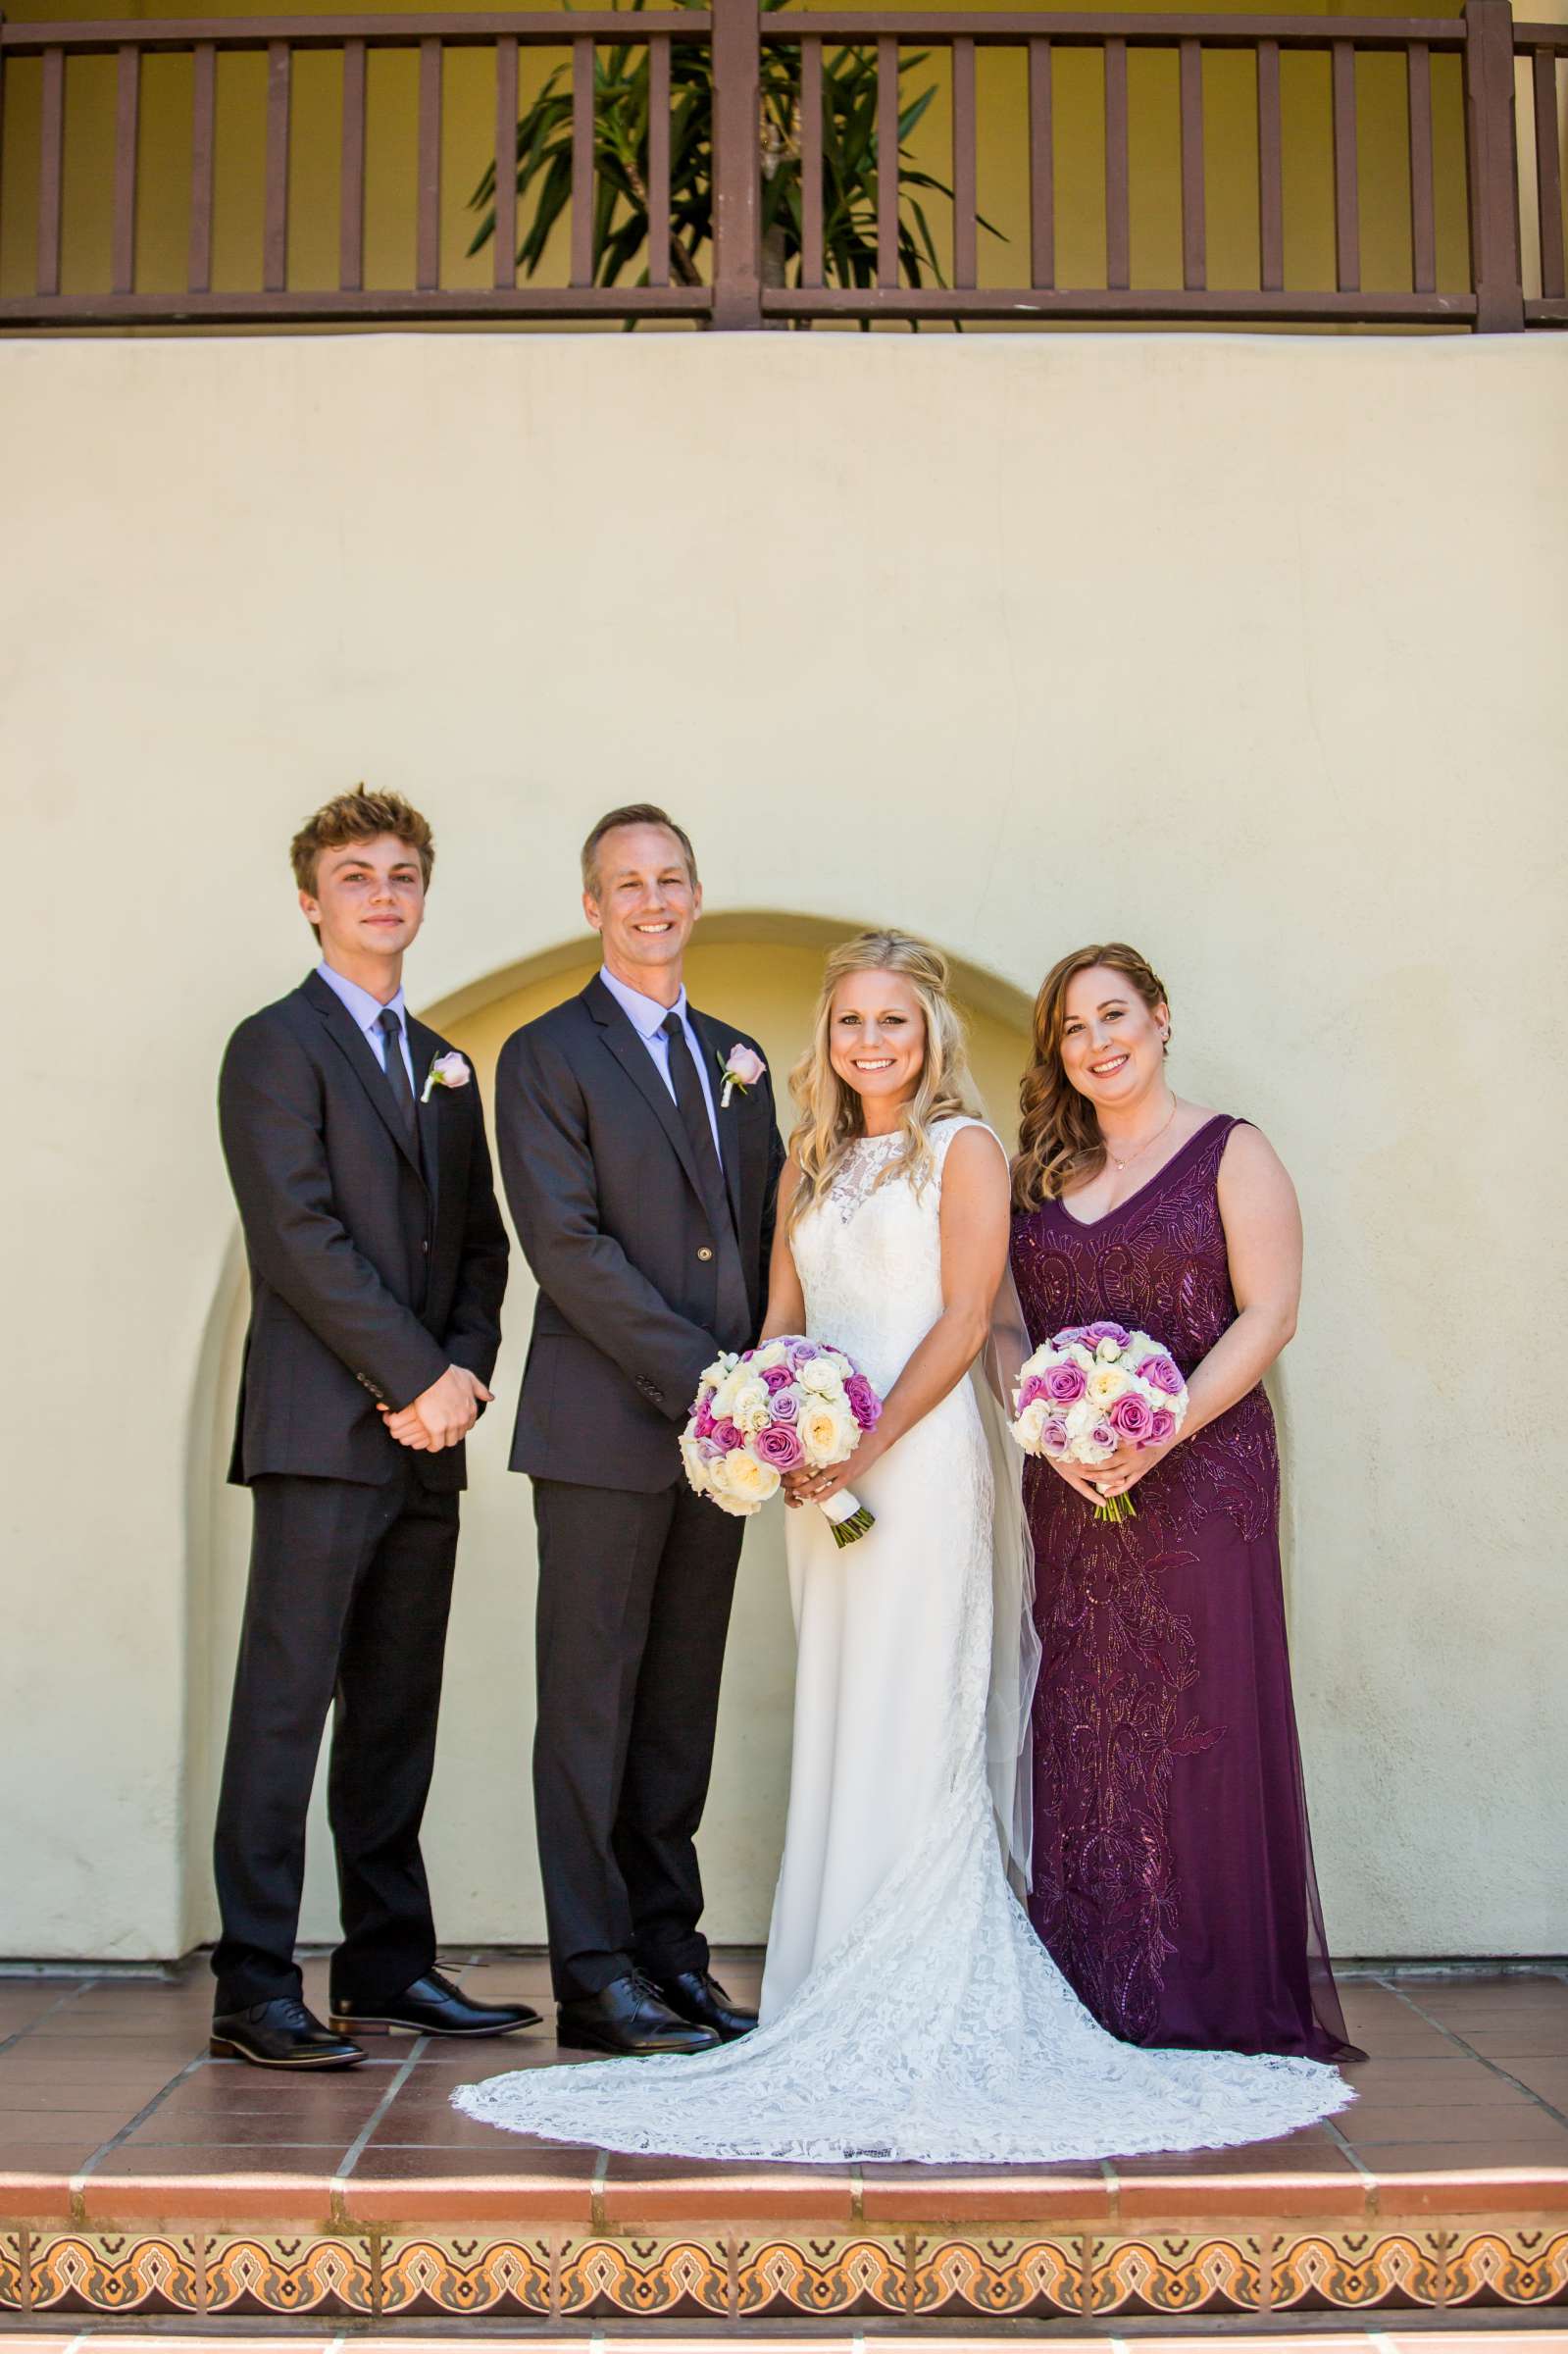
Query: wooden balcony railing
98,283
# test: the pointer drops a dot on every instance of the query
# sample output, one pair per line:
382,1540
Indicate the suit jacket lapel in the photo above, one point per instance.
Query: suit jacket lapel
729,1121
360,1056
637,1063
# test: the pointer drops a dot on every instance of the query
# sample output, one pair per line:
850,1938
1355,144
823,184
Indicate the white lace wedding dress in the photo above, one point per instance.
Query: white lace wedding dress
909,2010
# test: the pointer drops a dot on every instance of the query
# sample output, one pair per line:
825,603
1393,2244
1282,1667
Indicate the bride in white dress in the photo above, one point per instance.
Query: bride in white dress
908,2010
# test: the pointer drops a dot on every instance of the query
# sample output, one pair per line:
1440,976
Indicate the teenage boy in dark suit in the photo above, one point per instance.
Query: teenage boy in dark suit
356,1148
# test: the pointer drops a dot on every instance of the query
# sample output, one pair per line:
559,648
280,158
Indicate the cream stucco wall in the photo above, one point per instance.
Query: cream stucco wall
1248,649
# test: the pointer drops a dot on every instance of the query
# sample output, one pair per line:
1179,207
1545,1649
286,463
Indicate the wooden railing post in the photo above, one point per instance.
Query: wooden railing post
736,163
1491,158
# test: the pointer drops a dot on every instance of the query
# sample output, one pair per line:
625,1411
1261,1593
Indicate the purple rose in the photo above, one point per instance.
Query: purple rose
710,1451
1131,1417
729,1435
1034,1387
1163,1373
785,1405
801,1352
704,1426
1065,1384
1053,1436
862,1401
1068,1335
1161,1427
780,1445
1093,1333
1102,1435
776,1378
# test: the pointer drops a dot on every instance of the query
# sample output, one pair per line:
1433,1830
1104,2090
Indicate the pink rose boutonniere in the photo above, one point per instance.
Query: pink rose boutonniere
448,1070
742,1069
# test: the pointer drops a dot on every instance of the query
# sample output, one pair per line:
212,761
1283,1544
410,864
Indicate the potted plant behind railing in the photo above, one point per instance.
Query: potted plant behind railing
620,84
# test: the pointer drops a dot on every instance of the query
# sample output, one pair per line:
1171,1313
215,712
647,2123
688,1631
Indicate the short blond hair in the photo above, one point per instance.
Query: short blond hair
635,813
360,816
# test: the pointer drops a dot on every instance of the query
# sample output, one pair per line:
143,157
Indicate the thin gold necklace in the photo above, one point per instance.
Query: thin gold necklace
1147,1143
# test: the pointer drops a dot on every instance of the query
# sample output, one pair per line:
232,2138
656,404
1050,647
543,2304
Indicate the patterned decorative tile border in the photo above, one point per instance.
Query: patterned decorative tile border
713,2276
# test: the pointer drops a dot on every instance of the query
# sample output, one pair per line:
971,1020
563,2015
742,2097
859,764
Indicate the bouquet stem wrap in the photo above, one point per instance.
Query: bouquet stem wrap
847,1518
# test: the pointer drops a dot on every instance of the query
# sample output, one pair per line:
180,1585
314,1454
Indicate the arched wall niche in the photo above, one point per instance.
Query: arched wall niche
761,969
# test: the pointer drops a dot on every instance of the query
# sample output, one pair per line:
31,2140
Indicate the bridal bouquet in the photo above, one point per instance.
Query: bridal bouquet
1096,1387
773,1409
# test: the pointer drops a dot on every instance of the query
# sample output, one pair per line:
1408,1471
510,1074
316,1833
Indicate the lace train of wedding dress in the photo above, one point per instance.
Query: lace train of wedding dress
909,2011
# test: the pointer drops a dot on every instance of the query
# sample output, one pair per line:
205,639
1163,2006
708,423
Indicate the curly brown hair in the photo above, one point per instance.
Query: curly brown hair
1059,1141
360,816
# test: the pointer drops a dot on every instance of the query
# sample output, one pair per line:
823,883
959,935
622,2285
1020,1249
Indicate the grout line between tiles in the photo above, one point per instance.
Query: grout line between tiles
148,2108
1368,2176
1470,2053
355,2150
73,1994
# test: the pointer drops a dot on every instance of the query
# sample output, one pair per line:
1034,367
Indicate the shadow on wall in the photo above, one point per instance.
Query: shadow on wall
762,971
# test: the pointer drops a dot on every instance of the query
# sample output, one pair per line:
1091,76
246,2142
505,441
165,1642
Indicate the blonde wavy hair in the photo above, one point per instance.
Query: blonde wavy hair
831,1116
1059,1140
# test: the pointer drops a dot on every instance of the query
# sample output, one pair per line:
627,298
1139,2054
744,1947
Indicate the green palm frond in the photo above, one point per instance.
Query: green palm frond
621,96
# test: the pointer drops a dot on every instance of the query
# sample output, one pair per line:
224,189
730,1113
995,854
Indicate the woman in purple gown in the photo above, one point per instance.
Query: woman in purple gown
1173,1880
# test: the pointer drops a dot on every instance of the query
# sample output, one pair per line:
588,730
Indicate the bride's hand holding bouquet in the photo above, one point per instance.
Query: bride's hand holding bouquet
790,1413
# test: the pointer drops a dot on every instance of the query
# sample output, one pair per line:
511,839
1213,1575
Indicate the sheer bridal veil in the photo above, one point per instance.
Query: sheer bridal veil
1015,1643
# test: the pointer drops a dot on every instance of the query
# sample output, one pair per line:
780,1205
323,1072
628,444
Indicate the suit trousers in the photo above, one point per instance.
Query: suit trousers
350,1587
634,1609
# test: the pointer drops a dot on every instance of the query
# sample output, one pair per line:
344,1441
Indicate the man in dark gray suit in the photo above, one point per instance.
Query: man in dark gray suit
356,1148
644,1190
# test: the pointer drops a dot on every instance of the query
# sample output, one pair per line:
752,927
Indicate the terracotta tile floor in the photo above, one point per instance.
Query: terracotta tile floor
110,2107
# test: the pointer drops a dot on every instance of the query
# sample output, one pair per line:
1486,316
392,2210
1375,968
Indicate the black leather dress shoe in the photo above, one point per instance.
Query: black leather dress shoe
696,1995
630,2016
433,2006
281,2033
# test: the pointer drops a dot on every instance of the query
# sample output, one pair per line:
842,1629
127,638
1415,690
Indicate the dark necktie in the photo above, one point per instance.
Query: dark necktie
693,1110
391,1030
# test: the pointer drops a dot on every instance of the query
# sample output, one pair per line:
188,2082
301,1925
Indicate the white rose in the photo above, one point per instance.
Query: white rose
722,1487
1081,1355
748,1408
763,1359
695,1465
827,1434
1107,1352
711,1375
1106,1384
1082,1417
1087,1451
1029,1425
750,1482
725,1396
820,1377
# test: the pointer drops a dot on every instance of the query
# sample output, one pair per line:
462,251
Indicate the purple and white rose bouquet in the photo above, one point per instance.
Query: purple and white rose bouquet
1094,1389
790,1404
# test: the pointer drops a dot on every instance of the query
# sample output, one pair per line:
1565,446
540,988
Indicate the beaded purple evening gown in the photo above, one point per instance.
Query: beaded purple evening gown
1173,1881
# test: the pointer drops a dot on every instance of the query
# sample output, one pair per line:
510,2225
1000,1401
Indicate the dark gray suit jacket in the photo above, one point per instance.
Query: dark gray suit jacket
636,1290
372,1269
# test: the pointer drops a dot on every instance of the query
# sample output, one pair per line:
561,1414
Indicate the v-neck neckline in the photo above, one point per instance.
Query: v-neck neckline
1088,1225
